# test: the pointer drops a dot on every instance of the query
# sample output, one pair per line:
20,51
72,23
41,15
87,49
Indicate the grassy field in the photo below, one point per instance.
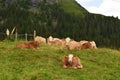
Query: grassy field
45,63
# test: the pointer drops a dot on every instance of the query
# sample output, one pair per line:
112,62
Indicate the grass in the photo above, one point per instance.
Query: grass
70,6
45,63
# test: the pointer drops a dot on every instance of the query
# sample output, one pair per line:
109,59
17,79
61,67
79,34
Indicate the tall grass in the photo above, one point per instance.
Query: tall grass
45,63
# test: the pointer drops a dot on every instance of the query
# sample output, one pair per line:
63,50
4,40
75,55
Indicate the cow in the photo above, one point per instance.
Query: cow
54,41
82,42
93,45
40,40
71,61
73,45
67,40
63,46
88,45
28,45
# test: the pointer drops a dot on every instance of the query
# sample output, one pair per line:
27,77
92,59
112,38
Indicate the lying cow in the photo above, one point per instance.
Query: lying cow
71,61
67,40
93,45
88,45
82,42
54,41
73,45
28,45
40,40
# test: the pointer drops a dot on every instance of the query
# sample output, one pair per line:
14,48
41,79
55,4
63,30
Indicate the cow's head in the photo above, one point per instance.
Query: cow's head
70,58
50,38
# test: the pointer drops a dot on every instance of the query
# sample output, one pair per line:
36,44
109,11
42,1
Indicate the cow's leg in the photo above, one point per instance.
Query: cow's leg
64,66
79,65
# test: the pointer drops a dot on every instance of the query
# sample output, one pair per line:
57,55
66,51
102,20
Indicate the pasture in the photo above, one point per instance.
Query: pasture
45,63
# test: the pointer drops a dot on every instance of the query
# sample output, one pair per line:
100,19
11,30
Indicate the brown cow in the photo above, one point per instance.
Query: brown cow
64,44
93,44
40,40
87,45
28,45
71,61
54,41
73,45
82,42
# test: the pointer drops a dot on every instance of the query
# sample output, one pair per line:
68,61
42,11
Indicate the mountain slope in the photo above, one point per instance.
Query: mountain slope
70,6
61,19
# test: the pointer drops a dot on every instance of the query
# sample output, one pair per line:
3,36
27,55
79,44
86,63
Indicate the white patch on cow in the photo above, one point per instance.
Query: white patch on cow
67,40
70,56
50,38
93,44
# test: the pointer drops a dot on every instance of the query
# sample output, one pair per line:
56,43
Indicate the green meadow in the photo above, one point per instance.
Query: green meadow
45,63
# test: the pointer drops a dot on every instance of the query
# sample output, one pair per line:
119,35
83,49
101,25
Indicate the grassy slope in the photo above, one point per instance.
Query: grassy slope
70,6
45,64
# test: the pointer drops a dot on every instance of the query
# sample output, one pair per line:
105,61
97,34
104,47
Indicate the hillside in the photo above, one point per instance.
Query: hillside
70,6
45,63
59,18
